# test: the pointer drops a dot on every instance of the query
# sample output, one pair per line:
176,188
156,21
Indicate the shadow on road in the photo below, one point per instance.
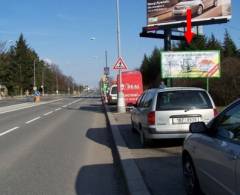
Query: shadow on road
99,179
163,175
98,135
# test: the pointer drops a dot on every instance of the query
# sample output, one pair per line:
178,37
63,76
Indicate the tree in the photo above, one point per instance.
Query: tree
145,69
213,43
229,47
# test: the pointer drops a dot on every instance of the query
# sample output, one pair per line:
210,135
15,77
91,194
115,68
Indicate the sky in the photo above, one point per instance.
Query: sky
61,31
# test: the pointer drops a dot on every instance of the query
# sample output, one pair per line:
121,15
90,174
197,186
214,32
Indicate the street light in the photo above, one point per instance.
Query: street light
34,76
121,102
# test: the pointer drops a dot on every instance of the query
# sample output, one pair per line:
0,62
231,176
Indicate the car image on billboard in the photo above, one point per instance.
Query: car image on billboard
164,12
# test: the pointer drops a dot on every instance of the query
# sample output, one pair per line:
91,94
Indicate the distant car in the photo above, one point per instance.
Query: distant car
167,113
112,95
197,6
211,154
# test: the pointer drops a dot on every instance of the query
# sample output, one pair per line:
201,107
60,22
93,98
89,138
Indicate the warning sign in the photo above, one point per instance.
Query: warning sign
120,65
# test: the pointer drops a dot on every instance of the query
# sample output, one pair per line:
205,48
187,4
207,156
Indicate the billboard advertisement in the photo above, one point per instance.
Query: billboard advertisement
166,12
193,64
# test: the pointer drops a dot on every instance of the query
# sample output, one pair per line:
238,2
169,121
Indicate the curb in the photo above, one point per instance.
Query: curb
133,178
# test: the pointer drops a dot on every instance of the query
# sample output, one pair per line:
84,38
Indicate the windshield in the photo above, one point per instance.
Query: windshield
181,100
114,90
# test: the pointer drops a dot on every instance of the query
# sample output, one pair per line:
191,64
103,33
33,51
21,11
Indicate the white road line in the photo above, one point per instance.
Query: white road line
48,113
33,120
64,106
16,107
8,131
58,109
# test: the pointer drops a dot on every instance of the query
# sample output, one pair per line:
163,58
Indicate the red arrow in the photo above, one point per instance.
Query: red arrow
189,34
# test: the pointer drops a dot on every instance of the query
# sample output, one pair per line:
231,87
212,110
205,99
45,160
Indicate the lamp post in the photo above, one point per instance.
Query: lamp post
121,102
43,92
34,76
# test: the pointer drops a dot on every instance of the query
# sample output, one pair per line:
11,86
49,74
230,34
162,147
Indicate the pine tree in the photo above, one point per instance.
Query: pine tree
213,43
229,47
145,69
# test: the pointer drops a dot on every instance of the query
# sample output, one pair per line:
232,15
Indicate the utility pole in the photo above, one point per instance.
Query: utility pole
56,83
167,47
34,76
121,102
43,92
21,89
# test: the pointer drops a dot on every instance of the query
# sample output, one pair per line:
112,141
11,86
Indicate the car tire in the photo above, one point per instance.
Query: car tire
215,4
191,182
145,142
200,10
133,128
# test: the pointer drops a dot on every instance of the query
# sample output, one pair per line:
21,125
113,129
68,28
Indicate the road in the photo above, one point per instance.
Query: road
54,149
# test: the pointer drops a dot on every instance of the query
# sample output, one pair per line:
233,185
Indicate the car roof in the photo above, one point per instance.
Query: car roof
177,89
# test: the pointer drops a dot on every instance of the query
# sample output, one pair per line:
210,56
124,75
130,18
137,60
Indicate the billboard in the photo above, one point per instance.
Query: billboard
190,64
166,12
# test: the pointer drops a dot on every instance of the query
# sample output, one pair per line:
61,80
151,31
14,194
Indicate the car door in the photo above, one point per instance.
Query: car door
206,3
135,110
138,111
146,108
217,153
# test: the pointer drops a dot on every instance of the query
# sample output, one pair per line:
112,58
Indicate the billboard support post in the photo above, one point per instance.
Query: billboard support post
207,84
167,47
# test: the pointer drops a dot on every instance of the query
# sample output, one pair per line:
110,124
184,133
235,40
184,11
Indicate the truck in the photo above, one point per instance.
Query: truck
132,86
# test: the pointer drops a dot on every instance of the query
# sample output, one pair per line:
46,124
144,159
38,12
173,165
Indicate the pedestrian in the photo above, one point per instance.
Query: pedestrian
162,85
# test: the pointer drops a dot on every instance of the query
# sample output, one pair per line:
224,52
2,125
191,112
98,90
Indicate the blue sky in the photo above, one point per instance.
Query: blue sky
60,30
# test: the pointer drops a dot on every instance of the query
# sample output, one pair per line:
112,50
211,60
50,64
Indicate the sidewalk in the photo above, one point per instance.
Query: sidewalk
153,170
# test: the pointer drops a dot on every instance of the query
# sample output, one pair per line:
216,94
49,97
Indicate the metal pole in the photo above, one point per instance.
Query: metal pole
106,57
121,102
56,83
167,47
21,89
34,76
43,92
207,84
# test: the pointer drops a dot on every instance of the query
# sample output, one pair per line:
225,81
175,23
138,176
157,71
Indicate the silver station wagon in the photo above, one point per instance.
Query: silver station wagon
167,113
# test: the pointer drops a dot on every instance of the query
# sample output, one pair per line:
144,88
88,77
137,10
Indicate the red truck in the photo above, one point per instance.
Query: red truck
132,86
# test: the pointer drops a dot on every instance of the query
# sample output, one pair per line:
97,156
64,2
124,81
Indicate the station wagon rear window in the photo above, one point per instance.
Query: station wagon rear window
183,100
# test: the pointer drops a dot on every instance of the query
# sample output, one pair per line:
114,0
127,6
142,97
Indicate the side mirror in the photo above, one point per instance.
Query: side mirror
198,127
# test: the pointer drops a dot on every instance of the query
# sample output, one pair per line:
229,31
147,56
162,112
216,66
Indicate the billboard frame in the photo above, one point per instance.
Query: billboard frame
183,23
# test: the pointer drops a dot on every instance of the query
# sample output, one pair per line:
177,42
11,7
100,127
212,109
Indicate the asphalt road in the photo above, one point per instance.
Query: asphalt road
53,149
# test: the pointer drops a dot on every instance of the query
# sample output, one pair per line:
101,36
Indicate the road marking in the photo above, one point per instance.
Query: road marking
33,120
58,109
22,106
64,106
48,113
8,131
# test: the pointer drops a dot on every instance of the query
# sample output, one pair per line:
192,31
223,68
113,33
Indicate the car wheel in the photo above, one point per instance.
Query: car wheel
190,178
200,10
144,141
215,4
133,128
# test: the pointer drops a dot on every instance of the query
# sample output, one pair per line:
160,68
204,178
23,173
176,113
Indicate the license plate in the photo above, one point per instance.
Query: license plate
186,120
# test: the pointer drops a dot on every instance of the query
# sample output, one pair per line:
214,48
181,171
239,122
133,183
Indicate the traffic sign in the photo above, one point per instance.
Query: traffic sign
120,65
106,70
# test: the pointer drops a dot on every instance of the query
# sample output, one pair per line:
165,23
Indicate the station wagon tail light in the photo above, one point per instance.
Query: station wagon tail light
151,118
215,112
